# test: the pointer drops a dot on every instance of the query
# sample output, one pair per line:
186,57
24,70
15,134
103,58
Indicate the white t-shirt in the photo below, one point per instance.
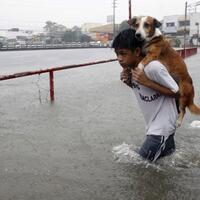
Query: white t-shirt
160,112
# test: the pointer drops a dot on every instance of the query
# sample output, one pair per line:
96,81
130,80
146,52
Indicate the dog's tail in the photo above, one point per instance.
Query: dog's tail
194,109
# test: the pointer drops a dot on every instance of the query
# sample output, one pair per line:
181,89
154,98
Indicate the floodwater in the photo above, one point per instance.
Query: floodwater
82,146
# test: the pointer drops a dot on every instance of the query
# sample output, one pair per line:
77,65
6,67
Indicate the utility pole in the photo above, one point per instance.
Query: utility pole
197,4
197,24
185,28
130,14
114,6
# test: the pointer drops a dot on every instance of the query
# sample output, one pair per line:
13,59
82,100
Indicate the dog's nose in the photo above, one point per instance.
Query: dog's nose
138,35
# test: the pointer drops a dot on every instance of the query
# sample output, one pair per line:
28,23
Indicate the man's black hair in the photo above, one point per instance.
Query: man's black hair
126,40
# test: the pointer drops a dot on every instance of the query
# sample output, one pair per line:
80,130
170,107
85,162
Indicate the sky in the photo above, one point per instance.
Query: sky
32,14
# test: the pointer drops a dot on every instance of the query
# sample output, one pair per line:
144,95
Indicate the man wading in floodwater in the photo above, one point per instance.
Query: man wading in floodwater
155,90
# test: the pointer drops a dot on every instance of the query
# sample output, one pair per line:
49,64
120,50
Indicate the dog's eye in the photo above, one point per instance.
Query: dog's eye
146,25
136,25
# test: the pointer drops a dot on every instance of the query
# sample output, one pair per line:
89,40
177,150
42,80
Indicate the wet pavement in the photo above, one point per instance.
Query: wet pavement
63,151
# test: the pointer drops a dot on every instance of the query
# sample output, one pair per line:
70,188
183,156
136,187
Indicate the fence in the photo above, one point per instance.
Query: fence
183,53
51,73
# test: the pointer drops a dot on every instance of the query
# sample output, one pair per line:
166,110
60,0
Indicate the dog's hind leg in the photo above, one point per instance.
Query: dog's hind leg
180,117
183,103
186,93
182,108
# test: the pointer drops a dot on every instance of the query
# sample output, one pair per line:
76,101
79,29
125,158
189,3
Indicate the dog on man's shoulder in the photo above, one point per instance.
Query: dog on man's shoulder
156,47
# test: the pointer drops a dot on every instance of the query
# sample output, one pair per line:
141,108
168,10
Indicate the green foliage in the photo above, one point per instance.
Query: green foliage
85,38
177,42
58,33
75,36
68,36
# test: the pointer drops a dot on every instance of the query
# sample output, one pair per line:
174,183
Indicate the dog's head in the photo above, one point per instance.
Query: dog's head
146,27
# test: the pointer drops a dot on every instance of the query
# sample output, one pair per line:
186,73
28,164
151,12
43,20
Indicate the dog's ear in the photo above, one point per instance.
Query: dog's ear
156,23
132,21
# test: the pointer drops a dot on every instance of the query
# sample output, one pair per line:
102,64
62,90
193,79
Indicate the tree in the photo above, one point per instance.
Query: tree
68,36
50,27
75,35
177,42
54,31
85,38
124,25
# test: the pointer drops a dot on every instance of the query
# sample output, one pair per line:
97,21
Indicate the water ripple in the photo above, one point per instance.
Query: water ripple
181,159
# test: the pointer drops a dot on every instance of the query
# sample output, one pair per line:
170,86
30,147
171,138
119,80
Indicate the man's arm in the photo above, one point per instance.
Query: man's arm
140,76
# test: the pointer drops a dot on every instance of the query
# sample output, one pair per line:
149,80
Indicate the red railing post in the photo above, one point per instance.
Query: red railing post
51,83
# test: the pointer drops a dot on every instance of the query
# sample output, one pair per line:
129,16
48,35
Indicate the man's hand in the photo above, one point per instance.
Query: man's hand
140,76
125,76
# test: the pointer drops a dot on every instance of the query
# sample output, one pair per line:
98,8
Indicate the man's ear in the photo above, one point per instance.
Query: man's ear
156,23
138,52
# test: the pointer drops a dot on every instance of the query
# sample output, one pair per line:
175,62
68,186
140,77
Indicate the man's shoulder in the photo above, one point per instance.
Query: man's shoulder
154,66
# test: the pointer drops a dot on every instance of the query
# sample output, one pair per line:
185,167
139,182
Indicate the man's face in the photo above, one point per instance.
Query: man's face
126,57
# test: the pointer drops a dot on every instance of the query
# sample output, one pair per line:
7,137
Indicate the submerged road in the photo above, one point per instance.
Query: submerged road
63,151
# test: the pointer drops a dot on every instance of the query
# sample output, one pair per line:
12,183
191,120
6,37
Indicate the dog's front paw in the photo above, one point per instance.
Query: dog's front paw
141,66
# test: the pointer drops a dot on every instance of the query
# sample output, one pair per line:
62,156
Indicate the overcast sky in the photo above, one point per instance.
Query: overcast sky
32,14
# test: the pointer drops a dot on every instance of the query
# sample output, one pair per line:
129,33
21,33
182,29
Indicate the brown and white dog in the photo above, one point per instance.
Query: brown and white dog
156,47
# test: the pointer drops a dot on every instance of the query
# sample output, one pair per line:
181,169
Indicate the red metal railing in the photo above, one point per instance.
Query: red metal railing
184,53
51,73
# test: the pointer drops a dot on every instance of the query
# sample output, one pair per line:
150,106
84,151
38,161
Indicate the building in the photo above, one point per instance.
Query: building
85,29
13,33
15,36
175,24
194,23
104,33
87,26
